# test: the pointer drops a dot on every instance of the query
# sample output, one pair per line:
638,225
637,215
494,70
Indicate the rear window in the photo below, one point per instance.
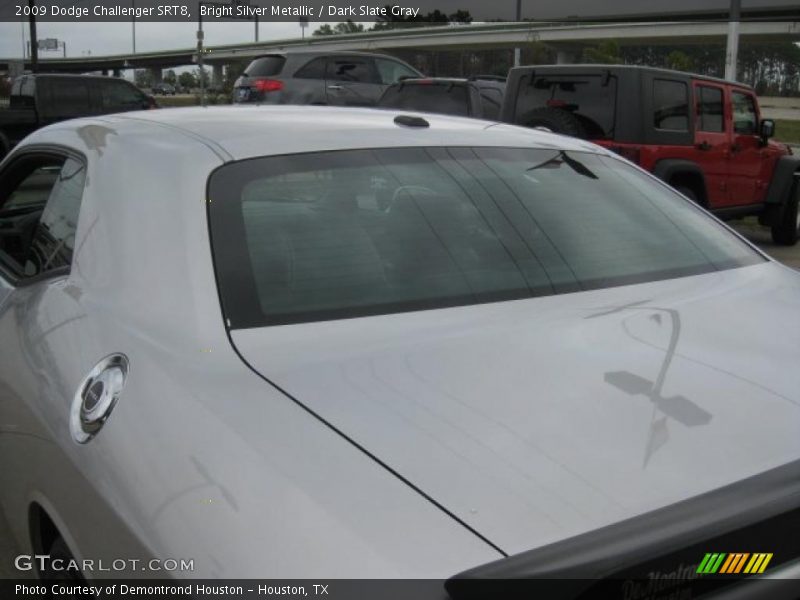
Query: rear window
352,233
266,66
448,99
591,97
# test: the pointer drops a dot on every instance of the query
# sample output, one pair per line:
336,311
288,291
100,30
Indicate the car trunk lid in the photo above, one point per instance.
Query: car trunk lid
536,420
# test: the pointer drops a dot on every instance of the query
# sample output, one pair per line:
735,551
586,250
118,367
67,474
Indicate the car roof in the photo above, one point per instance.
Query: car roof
483,81
667,72
246,131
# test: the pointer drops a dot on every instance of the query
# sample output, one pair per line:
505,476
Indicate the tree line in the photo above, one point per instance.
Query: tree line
772,68
390,21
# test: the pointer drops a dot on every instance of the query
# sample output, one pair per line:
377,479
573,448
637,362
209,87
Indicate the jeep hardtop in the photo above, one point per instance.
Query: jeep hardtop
703,136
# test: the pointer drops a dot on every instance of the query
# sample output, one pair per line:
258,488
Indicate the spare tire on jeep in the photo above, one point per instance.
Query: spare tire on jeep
556,120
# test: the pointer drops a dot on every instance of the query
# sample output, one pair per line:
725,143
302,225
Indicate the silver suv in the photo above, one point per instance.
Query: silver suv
342,79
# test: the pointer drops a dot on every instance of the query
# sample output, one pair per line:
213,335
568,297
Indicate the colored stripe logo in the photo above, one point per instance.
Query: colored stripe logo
734,563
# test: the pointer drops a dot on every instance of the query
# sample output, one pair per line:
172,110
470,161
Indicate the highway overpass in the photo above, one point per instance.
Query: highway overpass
565,37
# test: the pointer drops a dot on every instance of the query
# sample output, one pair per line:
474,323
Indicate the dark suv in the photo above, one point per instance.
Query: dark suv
704,136
344,78
480,96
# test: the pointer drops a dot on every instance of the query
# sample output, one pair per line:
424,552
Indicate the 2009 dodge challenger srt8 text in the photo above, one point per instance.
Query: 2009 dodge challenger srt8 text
317,342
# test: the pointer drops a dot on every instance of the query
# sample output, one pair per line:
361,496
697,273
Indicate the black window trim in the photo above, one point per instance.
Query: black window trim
248,323
33,150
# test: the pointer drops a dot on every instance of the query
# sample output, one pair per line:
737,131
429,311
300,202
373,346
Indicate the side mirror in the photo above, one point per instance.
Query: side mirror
767,129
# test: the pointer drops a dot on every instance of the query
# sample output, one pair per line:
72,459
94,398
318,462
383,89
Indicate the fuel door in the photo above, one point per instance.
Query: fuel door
96,397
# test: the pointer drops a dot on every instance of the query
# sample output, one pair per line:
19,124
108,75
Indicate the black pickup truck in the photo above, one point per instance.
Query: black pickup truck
41,99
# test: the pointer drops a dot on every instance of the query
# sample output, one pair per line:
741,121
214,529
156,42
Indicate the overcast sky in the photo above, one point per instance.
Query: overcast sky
115,38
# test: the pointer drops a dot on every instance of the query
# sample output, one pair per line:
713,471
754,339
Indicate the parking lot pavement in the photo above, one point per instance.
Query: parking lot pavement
760,236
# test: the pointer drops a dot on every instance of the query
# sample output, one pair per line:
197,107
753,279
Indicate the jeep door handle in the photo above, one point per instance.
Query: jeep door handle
735,148
335,87
703,146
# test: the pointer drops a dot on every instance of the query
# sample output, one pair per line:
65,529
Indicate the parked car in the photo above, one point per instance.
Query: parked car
479,96
163,89
38,100
704,136
340,79
385,346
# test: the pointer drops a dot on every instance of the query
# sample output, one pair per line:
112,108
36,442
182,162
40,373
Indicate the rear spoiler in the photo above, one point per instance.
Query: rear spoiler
663,549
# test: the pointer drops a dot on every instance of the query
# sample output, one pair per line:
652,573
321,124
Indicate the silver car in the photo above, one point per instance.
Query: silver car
275,341
338,79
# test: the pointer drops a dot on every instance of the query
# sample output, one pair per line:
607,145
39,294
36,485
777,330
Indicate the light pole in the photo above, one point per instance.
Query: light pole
133,25
200,53
518,50
732,51
34,40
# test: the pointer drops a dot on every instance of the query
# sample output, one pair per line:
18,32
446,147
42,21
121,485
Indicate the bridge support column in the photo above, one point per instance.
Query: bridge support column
117,72
216,77
565,57
156,75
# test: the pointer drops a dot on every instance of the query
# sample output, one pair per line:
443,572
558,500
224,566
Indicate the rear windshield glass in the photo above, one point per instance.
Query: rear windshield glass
265,66
362,232
437,98
590,97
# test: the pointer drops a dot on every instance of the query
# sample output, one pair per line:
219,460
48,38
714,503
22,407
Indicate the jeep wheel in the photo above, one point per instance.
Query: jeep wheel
787,231
556,120
686,191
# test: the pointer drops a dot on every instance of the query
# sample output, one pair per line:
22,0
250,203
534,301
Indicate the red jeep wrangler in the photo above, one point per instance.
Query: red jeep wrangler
703,136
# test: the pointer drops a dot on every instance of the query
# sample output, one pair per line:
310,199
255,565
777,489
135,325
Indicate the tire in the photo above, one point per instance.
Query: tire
786,232
686,191
556,120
